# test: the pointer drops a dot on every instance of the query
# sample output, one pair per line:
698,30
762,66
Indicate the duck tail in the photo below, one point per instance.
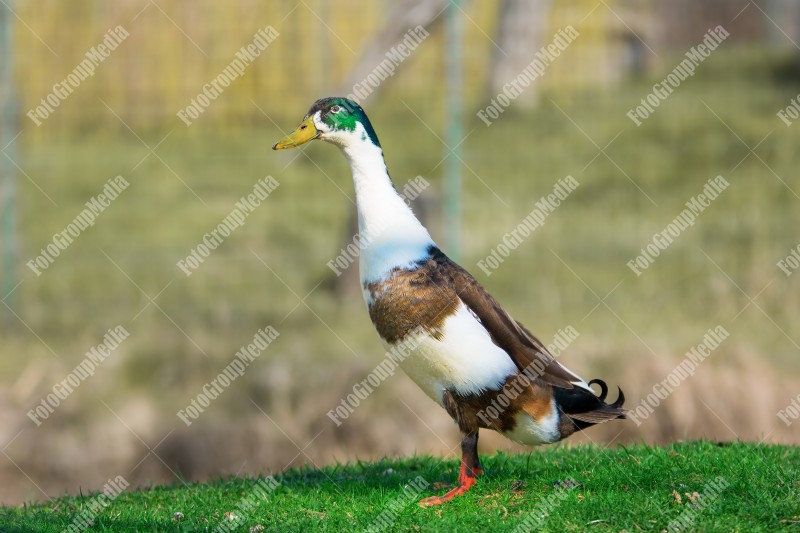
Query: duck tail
580,408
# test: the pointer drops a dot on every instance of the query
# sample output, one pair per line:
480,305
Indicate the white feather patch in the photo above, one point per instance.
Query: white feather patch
464,360
532,432
390,236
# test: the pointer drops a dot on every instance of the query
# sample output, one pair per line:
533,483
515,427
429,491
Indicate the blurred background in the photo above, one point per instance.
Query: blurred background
484,180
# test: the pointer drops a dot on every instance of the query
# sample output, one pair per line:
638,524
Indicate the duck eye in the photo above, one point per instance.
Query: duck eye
335,109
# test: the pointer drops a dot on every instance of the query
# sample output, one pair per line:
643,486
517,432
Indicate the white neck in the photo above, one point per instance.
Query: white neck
391,236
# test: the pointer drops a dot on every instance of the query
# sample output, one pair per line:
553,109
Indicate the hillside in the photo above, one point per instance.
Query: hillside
702,485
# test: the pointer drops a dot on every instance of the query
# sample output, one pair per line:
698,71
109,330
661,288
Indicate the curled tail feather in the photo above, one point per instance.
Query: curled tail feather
580,408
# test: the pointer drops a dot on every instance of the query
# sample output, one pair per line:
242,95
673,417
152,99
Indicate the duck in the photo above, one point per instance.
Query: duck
461,347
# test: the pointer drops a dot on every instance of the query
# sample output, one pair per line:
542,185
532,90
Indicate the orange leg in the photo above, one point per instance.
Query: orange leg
467,476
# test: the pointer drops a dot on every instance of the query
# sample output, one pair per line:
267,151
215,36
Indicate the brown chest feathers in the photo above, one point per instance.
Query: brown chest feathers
411,301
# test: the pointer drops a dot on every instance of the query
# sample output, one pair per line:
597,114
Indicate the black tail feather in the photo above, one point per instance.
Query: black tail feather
603,388
580,408
620,399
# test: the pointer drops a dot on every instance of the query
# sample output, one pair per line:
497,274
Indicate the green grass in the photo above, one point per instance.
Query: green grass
623,489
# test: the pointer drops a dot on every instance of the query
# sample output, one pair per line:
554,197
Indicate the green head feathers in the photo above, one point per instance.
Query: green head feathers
336,114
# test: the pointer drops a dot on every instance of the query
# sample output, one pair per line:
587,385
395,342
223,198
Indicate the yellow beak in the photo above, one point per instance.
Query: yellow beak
305,132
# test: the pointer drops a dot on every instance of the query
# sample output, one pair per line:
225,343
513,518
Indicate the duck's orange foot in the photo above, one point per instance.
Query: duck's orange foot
466,479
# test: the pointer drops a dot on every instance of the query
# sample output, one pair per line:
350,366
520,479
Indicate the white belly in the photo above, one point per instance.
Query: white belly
464,359
532,432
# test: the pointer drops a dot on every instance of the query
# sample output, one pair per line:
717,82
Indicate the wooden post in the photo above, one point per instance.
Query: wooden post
7,172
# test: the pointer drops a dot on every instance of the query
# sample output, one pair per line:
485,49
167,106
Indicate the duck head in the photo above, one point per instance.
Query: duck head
336,120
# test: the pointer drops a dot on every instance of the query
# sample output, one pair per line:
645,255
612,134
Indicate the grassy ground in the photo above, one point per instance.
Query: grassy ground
739,486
